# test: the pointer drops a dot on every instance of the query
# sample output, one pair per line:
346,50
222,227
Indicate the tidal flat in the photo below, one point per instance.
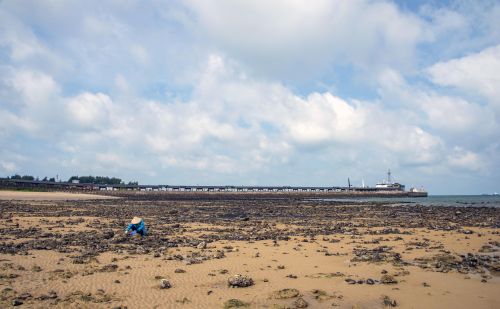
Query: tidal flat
239,252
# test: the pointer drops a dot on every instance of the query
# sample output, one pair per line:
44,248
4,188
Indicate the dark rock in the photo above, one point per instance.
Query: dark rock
388,279
165,284
240,281
285,293
17,302
387,301
300,303
350,281
108,234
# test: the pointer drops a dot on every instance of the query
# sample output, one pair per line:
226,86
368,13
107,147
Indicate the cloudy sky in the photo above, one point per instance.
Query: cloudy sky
277,92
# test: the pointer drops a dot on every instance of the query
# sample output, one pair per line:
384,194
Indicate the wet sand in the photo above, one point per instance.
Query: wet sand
291,253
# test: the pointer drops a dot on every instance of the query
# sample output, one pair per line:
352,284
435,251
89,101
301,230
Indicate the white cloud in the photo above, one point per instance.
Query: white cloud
447,114
234,122
90,110
468,160
36,88
302,37
476,73
8,167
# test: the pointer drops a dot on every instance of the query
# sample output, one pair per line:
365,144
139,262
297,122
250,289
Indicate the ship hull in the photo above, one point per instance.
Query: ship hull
418,194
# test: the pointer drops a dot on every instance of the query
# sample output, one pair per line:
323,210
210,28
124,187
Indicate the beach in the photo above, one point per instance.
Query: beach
290,253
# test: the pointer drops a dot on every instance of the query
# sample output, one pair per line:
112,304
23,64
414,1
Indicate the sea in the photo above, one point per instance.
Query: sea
432,200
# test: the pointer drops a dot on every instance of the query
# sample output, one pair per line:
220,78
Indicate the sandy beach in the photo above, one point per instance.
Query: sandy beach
289,253
49,196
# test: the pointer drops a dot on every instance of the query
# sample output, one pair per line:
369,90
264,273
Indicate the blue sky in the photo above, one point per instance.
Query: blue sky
253,92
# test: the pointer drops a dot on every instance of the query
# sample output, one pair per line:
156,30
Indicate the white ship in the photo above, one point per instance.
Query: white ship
389,185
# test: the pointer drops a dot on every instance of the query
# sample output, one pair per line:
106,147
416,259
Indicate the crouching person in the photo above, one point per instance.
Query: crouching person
137,226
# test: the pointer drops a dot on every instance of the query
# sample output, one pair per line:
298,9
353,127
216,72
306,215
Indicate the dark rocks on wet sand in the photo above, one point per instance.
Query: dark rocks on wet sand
108,234
350,281
285,293
387,301
235,303
219,254
202,245
17,302
240,281
300,303
388,279
24,296
165,284
50,295
109,268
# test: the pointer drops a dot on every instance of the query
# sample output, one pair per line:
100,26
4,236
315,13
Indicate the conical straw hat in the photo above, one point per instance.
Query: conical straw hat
136,220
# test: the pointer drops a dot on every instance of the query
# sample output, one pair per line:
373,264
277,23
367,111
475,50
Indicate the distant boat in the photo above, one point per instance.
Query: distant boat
417,192
389,185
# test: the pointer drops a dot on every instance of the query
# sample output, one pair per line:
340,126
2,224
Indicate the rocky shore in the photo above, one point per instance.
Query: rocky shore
256,253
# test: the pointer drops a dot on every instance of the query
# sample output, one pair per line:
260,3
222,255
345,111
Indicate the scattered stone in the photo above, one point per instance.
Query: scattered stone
24,296
109,268
300,303
165,284
388,279
321,295
202,245
235,303
52,294
240,281
179,271
219,254
17,302
285,293
183,301
350,281
387,301
108,234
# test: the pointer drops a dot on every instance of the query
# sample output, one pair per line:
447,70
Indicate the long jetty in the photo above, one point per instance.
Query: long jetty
185,189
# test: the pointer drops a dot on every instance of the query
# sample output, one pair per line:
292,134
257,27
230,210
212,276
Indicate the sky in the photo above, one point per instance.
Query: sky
281,92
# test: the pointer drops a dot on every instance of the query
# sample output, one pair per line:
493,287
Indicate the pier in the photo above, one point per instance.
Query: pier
308,190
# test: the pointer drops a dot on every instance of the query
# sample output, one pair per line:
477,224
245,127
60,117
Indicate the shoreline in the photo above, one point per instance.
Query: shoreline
73,254
49,196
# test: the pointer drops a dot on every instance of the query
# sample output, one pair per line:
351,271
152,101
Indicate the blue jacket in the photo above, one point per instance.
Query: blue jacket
139,228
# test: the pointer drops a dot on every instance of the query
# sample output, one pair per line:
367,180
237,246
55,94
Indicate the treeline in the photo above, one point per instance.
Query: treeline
96,180
100,180
32,178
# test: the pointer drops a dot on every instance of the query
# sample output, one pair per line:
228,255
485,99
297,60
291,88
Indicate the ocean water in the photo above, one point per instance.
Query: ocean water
434,200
